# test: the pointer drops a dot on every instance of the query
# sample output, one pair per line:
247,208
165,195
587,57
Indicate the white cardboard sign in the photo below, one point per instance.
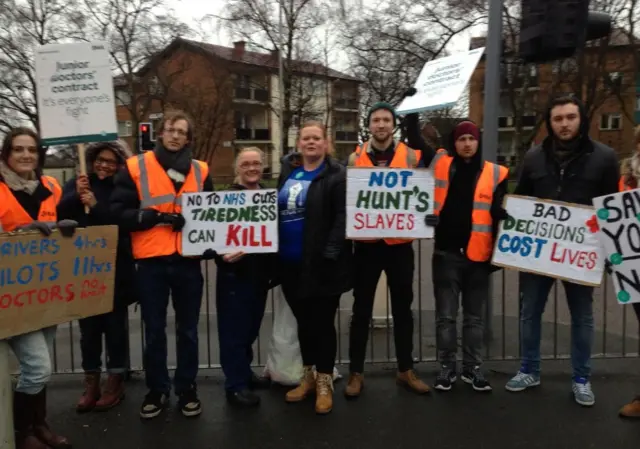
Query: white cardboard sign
442,82
75,93
618,217
389,203
550,238
230,221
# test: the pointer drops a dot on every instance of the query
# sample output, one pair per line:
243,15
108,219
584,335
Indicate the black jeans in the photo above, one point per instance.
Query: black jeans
370,260
113,326
455,275
240,305
316,321
182,278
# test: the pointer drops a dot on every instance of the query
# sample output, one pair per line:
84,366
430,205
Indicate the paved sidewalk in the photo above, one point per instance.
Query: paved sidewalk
385,417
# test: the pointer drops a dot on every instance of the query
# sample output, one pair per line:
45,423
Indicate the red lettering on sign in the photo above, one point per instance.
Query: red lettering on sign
248,236
398,221
581,259
40,296
232,235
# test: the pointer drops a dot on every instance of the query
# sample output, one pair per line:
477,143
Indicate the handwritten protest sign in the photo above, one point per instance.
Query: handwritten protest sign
442,82
389,203
230,221
550,238
618,220
51,280
74,88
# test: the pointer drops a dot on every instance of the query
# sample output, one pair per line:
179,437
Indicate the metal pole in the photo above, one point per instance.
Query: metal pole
490,139
281,79
6,399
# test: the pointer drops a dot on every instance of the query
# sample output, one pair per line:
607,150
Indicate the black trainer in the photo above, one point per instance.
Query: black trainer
476,379
154,403
243,398
189,403
446,378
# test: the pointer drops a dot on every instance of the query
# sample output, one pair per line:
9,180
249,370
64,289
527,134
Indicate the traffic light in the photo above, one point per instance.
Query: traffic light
144,137
555,29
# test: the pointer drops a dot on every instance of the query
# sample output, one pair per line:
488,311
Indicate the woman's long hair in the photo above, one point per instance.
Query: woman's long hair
7,144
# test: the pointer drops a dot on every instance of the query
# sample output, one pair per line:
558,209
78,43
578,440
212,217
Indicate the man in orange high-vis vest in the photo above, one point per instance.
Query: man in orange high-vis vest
394,256
146,199
468,206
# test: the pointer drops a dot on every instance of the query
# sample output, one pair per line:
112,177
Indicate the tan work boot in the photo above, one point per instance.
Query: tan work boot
632,409
354,386
324,393
409,380
307,385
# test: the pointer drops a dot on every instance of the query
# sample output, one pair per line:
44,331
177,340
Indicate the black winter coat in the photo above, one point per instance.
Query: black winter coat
72,208
326,253
593,172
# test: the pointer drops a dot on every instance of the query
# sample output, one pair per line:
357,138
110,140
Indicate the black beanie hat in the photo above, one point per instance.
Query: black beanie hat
384,106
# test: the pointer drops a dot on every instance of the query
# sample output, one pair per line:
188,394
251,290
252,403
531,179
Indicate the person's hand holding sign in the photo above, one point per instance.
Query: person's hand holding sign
233,257
82,184
88,199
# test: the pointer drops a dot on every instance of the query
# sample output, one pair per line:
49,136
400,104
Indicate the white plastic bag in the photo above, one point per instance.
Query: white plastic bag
284,361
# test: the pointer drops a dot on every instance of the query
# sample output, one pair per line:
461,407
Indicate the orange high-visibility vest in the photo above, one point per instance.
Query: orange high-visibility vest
622,186
404,157
156,191
481,240
13,215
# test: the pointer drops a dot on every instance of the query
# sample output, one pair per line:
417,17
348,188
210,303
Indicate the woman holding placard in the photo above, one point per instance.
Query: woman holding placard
242,285
94,191
314,257
630,175
28,202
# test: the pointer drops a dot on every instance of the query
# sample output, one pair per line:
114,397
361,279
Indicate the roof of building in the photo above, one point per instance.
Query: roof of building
267,60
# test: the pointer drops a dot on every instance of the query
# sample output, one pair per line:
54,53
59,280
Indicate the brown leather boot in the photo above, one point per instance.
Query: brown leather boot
91,393
307,385
632,409
324,393
113,393
40,426
354,386
409,380
23,414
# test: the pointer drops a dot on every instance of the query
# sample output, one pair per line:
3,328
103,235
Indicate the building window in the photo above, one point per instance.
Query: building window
123,98
124,128
613,80
243,81
611,122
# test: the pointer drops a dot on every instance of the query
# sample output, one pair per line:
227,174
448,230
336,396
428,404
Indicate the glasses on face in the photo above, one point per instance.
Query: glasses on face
248,165
107,162
180,132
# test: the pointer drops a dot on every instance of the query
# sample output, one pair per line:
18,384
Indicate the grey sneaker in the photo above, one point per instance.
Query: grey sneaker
582,392
522,381
446,378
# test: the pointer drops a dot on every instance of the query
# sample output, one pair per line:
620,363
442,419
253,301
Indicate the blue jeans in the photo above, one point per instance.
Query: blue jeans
534,291
182,278
240,305
33,351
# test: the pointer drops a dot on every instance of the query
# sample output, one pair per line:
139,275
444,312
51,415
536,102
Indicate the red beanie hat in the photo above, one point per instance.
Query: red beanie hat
466,128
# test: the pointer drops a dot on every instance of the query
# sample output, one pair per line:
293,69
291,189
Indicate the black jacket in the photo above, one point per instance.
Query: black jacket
326,253
125,202
454,227
72,208
256,268
593,172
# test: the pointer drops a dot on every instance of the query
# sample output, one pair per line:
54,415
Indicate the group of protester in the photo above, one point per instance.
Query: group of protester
314,266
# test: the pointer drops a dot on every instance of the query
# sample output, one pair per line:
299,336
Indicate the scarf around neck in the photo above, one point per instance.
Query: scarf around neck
18,183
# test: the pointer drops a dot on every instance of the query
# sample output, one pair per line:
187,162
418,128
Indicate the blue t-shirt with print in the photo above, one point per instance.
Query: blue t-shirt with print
292,199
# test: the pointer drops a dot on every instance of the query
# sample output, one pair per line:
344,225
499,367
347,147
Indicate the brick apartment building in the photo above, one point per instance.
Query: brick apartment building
233,95
611,86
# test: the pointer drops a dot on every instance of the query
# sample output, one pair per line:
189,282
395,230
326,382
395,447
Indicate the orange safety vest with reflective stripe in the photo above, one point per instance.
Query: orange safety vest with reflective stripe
481,240
404,157
13,215
156,191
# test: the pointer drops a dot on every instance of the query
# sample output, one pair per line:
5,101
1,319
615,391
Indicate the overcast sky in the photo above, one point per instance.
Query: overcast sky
188,10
